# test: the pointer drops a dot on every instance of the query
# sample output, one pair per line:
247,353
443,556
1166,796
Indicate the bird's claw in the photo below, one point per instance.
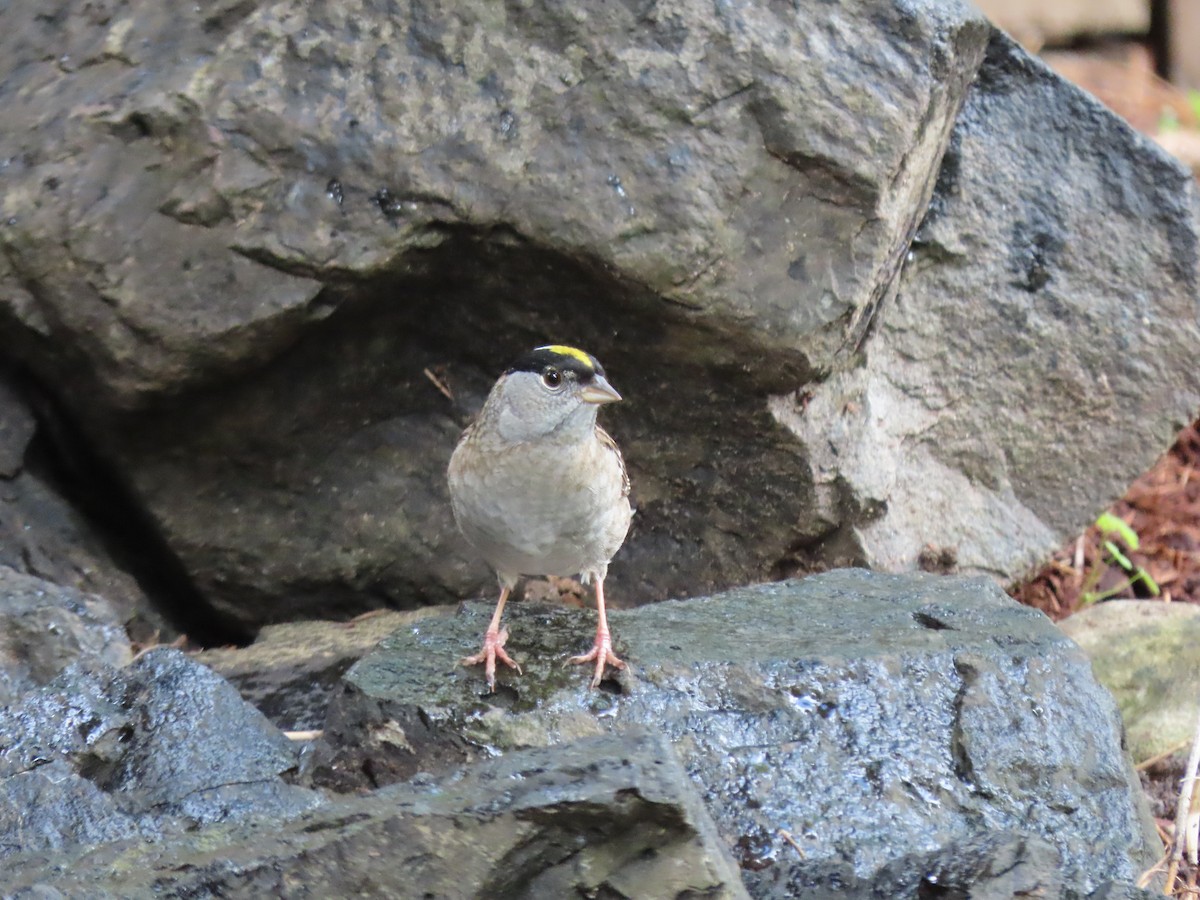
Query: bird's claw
602,653
493,649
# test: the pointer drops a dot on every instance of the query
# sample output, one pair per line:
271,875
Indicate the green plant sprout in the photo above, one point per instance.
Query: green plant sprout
1111,528
1168,119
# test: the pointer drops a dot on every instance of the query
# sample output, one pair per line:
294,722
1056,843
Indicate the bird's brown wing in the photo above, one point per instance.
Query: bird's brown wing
606,439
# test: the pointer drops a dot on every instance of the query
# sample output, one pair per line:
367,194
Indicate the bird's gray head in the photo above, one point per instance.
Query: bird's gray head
552,390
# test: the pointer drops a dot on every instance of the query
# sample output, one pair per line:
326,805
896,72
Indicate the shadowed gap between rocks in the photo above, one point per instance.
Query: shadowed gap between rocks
61,455
315,486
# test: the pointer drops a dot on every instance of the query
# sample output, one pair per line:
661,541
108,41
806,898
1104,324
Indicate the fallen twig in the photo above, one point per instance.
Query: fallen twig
439,384
303,735
1157,758
787,836
1144,880
1183,814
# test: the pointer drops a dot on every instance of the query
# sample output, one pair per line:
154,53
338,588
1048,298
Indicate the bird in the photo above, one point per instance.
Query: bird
538,488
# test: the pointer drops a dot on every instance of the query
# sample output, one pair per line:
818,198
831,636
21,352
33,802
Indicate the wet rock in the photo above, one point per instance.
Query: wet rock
610,816
990,417
991,865
1148,655
291,670
159,745
998,864
871,717
51,808
45,627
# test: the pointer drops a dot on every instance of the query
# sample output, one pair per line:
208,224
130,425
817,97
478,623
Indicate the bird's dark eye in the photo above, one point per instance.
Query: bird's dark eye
552,377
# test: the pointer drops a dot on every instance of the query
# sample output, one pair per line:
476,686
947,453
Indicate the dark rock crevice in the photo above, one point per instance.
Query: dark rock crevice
63,457
960,751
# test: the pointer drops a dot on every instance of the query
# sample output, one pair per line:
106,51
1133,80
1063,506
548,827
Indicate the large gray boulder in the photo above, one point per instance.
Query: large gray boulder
1041,348
752,166
894,727
242,241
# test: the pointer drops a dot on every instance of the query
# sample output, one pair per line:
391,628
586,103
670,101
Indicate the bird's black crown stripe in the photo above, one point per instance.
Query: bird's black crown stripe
564,358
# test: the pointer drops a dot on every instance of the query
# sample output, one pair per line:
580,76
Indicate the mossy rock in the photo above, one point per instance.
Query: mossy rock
1148,654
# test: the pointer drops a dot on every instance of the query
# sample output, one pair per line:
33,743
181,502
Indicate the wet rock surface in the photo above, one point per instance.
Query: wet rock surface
851,735
608,816
291,670
860,713
45,627
160,745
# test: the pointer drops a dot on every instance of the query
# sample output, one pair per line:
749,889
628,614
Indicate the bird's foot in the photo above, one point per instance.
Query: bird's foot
493,649
602,654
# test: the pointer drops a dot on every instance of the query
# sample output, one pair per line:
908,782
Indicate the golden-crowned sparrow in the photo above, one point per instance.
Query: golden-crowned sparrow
538,488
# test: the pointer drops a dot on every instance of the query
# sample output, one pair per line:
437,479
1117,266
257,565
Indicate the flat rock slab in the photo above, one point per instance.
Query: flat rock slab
1148,655
606,817
291,669
858,712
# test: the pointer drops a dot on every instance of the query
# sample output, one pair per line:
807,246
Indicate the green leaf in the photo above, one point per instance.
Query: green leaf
1110,525
1193,99
1118,557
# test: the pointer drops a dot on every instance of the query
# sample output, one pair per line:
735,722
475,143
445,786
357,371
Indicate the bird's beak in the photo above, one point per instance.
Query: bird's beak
598,390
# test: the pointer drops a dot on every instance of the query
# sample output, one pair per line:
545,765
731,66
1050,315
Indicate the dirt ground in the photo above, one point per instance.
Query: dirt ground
1163,508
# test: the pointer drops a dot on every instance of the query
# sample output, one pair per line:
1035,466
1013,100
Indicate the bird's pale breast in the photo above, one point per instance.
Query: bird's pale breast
533,511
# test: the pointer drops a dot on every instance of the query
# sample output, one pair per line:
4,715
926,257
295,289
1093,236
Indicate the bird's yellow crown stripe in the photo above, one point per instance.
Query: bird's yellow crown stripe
569,351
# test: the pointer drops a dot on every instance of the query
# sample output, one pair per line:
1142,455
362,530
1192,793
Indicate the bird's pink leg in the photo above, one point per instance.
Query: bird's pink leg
493,646
601,650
